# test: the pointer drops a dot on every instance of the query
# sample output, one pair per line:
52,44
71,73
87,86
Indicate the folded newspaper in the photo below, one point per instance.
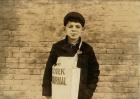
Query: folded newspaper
65,78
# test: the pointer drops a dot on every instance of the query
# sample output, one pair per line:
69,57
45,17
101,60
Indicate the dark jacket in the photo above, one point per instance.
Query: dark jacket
86,61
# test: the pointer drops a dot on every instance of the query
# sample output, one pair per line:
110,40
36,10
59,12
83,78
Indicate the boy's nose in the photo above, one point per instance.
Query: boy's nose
74,28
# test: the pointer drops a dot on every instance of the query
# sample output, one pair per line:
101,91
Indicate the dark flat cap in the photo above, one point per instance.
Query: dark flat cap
74,16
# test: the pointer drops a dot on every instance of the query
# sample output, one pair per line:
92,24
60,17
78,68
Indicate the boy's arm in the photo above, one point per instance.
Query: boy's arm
93,71
92,76
47,78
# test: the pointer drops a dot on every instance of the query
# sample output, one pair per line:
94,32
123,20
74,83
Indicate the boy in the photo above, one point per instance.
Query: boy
74,27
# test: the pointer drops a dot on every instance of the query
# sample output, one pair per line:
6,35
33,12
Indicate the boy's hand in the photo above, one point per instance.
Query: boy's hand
47,97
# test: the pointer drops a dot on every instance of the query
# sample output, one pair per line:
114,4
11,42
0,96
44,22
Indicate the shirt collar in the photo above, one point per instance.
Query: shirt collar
77,44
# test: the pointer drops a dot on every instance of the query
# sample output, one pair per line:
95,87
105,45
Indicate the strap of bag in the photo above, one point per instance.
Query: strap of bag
78,51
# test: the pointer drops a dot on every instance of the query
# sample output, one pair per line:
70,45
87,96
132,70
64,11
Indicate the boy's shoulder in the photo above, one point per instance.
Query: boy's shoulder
87,45
59,43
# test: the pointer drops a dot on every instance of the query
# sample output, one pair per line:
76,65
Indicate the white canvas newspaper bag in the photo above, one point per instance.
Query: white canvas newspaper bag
66,77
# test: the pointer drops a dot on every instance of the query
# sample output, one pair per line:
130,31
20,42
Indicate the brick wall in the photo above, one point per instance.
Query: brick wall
28,28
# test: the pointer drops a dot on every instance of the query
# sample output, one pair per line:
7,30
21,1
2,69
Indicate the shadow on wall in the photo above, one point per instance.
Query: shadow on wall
8,24
13,97
7,97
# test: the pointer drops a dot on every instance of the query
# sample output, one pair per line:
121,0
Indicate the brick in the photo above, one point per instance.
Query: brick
5,87
33,60
115,51
129,57
22,71
2,49
116,89
21,54
2,65
100,45
109,56
4,32
6,77
11,82
28,60
35,44
112,78
19,88
128,40
9,54
128,62
12,65
2,60
39,55
40,49
131,51
100,51
32,93
35,71
129,84
7,71
116,67
40,66
28,66
31,83
4,38
12,49
19,44
25,49
21,77
12,60
118,72
36,77
115,95
13,94
30,97
117,62
4,43
110,62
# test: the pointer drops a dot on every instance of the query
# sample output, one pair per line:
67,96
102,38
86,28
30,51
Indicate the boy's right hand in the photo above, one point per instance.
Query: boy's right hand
47,97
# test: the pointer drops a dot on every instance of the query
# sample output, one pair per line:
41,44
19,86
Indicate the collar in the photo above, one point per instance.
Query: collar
69,47
77,44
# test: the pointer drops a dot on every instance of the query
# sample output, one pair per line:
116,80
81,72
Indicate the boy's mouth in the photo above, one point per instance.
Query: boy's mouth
73,34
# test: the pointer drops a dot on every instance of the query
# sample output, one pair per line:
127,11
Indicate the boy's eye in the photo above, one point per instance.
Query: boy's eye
77,26
70,26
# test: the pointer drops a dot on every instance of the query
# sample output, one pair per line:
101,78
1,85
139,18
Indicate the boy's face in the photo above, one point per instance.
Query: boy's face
73,30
